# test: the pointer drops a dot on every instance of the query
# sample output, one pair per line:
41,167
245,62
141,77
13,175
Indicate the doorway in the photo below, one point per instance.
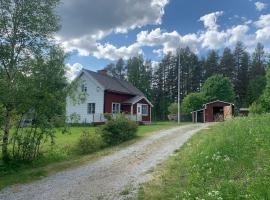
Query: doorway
218,114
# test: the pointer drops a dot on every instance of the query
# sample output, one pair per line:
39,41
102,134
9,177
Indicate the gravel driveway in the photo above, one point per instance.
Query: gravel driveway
116,176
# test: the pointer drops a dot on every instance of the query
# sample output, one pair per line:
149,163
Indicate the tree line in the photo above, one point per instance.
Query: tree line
246,72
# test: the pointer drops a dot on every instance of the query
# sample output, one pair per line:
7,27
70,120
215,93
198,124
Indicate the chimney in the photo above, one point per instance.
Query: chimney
103,72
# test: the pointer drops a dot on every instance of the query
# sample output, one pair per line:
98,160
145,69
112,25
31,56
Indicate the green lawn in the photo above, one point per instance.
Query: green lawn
229,160
64,154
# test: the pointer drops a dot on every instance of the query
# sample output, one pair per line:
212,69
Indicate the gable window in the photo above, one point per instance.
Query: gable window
91,108
84,88
145,109
115,108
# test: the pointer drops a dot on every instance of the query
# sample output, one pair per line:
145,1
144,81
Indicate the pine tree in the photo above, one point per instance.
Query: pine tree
117,70
227,64
240,77
258,62
211,64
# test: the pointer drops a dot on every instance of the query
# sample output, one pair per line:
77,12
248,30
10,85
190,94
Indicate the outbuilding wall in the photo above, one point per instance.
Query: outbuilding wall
209,115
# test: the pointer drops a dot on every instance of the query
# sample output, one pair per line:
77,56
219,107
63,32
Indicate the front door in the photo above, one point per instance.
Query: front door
139,109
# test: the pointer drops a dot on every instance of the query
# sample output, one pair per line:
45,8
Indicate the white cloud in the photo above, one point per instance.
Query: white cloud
96,19
72,70
263,32
263,21
210,38
260,5
210,20
111,52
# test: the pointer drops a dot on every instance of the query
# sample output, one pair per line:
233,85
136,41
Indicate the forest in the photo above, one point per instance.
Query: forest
244,68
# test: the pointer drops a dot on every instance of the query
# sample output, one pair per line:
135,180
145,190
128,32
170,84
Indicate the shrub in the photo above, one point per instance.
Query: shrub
173,108
118,130
218,87
191,102
89,142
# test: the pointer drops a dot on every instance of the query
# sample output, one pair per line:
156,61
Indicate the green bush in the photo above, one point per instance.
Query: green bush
118,130
193,101
173,108
89,142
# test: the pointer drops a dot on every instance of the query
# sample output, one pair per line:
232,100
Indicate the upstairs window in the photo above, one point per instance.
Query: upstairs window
84,88
91,108
115,108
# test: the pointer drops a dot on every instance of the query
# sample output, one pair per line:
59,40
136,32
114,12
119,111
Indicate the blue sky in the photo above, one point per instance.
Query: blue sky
96,34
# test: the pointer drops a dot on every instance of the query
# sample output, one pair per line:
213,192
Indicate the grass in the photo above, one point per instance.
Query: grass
227,161
63,154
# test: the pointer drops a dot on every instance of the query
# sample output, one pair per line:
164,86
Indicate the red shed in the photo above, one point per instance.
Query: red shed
214,111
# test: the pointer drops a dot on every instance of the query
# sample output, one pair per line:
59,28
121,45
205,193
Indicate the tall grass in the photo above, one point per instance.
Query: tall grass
230,160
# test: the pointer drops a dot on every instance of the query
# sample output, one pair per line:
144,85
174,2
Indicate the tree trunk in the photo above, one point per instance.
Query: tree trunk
6,136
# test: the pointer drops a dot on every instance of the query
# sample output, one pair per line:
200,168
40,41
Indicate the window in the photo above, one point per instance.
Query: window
91,108
144,109
84,88
115,108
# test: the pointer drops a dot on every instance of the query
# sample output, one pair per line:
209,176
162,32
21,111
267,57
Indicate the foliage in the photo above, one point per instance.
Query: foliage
227,161
74,118
90,142
173,108
32,72
118,129
191,102
255,88
218,87
211,64
139,73
118,70
262,104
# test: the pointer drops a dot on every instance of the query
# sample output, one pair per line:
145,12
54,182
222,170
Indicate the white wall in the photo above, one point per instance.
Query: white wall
94,96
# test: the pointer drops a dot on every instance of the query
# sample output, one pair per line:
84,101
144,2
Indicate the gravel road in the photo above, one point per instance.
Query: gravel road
116,176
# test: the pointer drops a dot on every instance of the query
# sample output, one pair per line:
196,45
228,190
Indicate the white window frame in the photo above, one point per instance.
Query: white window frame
147,112
84,87
119,106
140,107
92,111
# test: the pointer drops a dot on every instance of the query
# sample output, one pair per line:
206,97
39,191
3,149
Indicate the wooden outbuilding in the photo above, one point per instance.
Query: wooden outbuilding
214,111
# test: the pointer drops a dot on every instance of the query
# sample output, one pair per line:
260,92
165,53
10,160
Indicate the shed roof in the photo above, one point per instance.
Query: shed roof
204,105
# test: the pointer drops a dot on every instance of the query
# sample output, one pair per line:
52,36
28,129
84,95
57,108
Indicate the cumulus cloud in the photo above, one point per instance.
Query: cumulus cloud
210,38
210,20
260,5
96,19
263,32
72,70
94,26
111,52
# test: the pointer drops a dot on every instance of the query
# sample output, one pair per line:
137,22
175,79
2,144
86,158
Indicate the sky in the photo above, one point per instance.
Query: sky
96,33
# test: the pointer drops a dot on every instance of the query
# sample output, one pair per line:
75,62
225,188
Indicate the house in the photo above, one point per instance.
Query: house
106,94
214,111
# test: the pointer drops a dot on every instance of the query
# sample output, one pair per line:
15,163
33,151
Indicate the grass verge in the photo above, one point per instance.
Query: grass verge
64,155
227,161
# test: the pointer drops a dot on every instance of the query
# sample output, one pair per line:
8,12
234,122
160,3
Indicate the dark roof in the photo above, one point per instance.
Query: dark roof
113,84
205,105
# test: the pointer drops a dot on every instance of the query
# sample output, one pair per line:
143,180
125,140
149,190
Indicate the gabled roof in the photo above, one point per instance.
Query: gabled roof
113,84
136,99
218,101
205,105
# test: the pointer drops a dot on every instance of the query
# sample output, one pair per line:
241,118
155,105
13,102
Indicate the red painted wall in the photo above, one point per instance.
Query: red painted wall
209,115
144,118
111,97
